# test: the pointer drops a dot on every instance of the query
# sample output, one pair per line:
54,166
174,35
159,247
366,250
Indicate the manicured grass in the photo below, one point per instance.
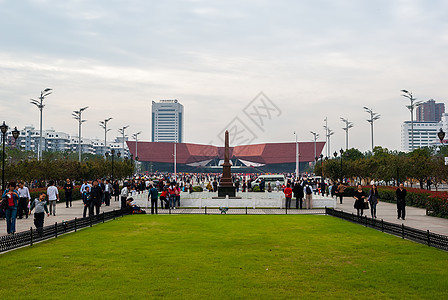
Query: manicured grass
224,256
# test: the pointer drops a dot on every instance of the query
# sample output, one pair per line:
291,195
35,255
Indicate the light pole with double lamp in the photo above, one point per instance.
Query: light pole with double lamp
40,106
103,124
15,133
315,136
122,132
77,115
411,107
348,125
135,136
373,117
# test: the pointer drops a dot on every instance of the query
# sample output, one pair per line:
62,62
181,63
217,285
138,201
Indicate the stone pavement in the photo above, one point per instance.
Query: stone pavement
62,214
415,217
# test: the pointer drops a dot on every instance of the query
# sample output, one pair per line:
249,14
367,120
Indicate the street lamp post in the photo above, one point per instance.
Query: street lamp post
103,124
40,106
322,164
348,125
373,117
135,136
315,136
77,115
122,132
297,157
15,133
342,153
112,155
411,107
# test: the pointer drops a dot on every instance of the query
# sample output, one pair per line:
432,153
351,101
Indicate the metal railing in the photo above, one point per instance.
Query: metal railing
29,237
417,235
240,211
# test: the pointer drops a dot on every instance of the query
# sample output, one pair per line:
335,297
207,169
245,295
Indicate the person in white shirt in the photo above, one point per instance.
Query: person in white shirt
53,196
124,195
83,187
24,199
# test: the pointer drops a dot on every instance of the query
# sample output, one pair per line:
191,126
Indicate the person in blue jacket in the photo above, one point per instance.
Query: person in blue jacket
12,198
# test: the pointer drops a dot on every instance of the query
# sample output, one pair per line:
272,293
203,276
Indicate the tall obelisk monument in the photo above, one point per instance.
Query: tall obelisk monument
226,187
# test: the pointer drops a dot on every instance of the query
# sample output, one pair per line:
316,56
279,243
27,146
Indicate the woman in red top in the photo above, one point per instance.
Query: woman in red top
288,196
163,198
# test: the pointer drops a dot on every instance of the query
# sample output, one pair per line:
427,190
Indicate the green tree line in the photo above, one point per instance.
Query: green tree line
392,167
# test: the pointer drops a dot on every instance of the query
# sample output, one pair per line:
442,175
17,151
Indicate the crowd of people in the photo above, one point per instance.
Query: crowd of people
17,203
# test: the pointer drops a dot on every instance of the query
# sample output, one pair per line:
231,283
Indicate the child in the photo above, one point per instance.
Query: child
41,207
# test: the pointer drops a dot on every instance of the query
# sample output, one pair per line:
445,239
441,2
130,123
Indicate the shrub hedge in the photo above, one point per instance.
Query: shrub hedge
197,188
436,203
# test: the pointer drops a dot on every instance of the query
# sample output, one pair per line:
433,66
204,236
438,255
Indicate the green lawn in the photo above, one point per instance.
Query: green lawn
224,256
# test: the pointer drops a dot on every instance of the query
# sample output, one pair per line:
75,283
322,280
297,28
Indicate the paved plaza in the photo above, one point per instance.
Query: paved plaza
415,217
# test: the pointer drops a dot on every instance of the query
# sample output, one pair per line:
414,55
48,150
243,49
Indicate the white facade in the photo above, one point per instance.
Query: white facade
167,121
425,133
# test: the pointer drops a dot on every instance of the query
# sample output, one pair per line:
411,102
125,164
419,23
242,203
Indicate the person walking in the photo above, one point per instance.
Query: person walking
96,196
12,198
308,191
359,196
298,194
24,199
107,192
373,200
87,202
68,188
40,204
124,195
340,191
177,195
53,196
288,195
116,188
401,201
153,195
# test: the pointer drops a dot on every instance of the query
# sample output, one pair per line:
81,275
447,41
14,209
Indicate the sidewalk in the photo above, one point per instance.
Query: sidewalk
62,214
415,217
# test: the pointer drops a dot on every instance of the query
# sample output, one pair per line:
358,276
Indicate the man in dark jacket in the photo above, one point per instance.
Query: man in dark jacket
96,196
401,201
153,195
298,193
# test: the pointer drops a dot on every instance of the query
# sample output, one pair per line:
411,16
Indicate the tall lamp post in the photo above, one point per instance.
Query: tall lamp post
411,107
77,115
103,124
135,136
122,132
329,134
40,106
373,117
342,153
297,156
315,136
112,155
348,125
15,133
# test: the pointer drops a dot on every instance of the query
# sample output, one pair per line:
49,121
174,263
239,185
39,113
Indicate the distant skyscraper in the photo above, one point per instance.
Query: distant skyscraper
167,121
430,111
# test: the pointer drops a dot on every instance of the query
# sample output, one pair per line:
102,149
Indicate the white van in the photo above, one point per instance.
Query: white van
269,178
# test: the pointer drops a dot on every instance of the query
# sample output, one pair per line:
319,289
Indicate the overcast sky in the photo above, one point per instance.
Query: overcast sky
312,59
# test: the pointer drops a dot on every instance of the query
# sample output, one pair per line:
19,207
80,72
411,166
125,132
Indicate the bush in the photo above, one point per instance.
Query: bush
198,188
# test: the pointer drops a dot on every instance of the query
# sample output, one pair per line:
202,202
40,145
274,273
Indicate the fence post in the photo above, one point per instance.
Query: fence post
382,225
113,214
286,209
103,216
56,229
205,209
76,225
90,221
428,237
246,210
31,236
366,220
402,230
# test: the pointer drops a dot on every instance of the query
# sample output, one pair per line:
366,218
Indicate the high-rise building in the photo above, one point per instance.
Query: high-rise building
167,121
430,111
425,134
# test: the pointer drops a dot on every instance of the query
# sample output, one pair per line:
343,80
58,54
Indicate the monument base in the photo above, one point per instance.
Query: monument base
224,191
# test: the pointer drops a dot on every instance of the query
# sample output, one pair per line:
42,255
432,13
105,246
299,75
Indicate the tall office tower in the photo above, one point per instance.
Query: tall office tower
167,121
430,111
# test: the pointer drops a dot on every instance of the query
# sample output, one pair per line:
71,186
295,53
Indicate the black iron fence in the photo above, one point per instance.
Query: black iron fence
20,239
240,211
405,232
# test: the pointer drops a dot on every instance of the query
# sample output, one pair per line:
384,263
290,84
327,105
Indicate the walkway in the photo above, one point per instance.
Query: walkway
415,217
62,214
